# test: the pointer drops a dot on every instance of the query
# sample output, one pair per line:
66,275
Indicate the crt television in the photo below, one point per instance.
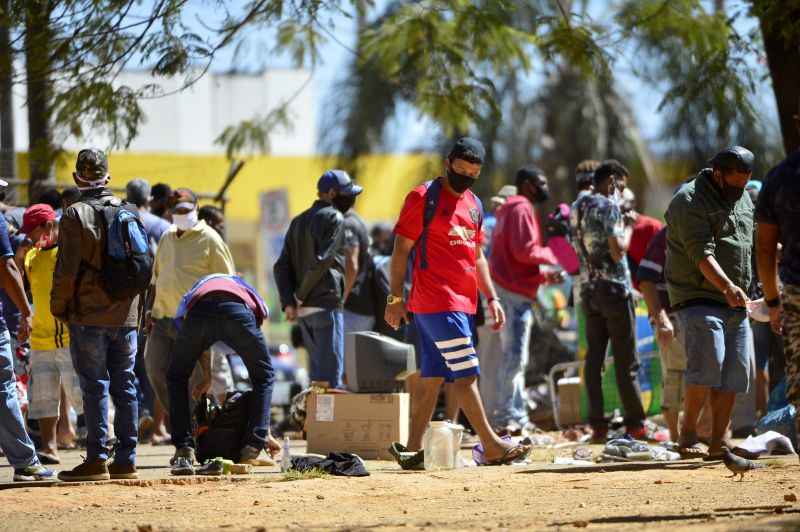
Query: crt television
372,362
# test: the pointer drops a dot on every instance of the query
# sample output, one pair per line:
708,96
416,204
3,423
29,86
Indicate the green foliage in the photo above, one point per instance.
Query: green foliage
708,71
253,135
452,50
466,64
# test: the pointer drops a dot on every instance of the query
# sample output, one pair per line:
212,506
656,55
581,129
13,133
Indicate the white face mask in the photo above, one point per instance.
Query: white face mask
616,197
184,222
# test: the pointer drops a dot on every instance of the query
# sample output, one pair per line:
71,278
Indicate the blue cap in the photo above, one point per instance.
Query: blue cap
339,180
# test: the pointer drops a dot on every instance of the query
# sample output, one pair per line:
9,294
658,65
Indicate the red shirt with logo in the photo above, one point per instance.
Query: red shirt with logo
450,282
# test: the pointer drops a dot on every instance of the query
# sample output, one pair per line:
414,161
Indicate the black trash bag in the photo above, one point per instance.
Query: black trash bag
337,464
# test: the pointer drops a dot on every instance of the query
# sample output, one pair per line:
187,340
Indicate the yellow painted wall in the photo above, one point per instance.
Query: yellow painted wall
386,178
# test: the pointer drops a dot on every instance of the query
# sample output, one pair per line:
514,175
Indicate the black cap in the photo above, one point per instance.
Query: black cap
468,149
734,158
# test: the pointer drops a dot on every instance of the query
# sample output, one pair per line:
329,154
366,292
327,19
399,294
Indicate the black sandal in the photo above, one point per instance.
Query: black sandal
407,459
512,454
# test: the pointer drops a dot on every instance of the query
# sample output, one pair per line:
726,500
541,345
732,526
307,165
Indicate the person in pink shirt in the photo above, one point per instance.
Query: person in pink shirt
518,251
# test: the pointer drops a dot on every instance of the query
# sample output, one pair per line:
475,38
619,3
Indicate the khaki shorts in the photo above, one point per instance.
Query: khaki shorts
50,370
673,367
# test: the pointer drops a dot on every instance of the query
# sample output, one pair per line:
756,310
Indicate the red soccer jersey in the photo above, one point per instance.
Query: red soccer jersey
450,282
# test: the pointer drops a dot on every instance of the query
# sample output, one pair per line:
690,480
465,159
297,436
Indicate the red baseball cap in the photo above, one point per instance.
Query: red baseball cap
36,215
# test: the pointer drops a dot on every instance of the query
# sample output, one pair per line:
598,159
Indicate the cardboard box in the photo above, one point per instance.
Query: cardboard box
364,424
569,401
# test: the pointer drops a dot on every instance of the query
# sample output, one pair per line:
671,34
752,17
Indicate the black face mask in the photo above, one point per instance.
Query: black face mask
344,203
459,182
542,195
732,193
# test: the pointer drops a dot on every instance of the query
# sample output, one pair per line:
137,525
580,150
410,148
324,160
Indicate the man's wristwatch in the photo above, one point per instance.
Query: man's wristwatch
773,303
392,299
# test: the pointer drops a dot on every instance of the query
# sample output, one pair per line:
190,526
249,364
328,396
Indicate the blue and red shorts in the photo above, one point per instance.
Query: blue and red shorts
444,342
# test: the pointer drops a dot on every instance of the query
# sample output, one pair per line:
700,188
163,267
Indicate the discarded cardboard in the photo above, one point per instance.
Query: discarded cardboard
364,424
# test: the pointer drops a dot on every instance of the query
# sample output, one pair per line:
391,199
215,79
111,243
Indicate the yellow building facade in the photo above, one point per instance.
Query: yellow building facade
386,180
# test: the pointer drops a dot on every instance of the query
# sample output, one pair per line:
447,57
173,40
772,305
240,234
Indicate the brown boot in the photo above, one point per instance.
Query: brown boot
88,471
123,471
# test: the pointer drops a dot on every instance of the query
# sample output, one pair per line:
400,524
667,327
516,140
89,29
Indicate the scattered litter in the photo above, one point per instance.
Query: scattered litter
770,442
661,454
582,453
628,450
540,440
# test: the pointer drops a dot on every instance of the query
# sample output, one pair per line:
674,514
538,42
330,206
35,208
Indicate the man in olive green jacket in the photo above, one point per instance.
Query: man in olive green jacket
709,249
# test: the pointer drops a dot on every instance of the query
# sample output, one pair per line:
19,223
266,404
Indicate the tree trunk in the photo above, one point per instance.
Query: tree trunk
38,41
783,58
8,166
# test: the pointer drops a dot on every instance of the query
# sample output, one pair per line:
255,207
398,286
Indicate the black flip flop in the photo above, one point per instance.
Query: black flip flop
407,459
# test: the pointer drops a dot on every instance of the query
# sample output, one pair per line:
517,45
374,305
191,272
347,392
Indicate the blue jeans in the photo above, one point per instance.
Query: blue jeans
509,404
104,358
14,441
210,322
354,322
323,336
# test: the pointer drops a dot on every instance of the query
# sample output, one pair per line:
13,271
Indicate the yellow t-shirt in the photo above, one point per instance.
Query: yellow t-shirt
181,262
48,333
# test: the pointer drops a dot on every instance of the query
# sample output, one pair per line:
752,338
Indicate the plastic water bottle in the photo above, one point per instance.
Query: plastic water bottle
286,456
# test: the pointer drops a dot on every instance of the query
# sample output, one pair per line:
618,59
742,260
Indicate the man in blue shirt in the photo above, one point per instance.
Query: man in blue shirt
14,441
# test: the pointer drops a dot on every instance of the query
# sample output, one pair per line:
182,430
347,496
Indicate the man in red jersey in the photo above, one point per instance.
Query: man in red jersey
441,223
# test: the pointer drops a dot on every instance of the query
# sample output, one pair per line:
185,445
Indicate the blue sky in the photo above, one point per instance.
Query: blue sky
409,130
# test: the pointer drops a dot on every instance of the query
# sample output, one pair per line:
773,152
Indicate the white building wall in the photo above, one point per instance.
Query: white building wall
189,121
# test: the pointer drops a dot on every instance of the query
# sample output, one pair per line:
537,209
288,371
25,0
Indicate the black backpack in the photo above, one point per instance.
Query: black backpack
221,431
127,265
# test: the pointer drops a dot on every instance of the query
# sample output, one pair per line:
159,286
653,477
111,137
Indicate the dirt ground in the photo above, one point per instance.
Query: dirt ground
514,498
